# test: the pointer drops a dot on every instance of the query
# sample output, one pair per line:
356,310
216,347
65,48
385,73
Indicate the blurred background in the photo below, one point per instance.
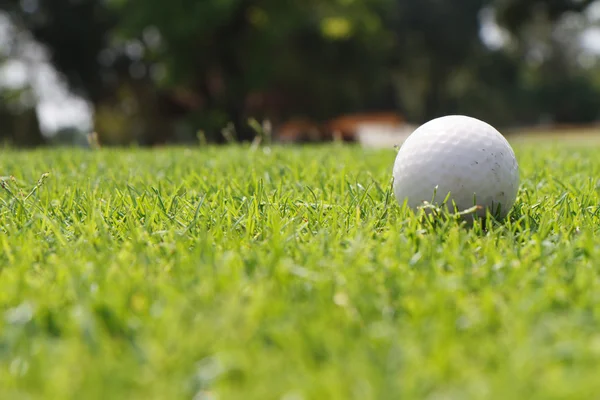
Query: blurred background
155,72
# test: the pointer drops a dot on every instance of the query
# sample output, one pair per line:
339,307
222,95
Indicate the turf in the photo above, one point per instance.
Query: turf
291,273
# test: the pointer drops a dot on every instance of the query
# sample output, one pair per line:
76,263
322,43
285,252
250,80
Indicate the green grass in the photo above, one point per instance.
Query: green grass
228,273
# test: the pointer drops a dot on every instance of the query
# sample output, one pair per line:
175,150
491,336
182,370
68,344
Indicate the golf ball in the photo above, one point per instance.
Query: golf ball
459,157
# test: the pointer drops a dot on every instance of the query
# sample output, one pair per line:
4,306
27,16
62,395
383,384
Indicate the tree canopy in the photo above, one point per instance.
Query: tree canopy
159,71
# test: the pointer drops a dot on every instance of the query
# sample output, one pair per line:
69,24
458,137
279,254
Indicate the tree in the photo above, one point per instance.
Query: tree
19,125
159,71
546,37
515,14
436,39
265,57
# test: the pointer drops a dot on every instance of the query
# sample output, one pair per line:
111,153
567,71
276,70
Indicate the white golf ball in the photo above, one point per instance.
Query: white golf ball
459,157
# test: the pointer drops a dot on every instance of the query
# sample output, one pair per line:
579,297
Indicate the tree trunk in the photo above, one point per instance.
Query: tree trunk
435,94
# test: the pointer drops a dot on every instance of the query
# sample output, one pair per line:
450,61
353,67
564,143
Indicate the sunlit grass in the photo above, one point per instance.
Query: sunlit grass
290,273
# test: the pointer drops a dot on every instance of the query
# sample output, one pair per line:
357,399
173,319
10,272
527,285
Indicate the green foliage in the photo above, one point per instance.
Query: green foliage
158,71
240,273
572,99
322,57
514,14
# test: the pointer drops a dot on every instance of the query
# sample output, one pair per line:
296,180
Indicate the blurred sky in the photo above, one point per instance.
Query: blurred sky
58,108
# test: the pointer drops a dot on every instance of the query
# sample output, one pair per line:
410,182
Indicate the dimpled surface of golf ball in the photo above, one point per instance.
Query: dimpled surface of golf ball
460,156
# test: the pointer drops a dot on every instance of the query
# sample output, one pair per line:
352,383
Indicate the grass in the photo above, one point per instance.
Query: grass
291,273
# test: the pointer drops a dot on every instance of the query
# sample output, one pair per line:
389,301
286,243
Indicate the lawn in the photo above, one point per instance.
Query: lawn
291,273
